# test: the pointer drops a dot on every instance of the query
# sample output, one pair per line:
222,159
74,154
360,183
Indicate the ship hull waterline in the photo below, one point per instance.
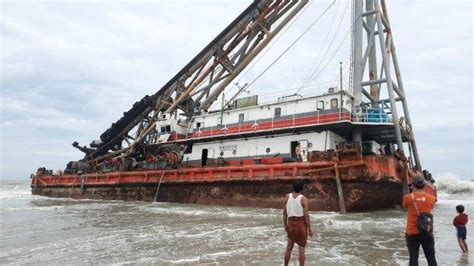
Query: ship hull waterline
371,183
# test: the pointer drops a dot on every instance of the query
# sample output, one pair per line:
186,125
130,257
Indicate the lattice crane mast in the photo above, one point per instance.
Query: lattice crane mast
195,87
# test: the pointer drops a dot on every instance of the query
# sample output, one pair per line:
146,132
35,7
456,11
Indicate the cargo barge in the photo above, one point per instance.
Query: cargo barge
346,145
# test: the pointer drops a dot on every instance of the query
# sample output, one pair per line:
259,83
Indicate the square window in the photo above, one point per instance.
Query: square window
277,112
320,105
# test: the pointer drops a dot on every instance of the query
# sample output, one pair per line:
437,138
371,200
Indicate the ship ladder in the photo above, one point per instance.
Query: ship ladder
158,187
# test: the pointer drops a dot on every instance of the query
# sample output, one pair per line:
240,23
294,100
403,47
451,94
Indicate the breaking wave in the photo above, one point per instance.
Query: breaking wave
452,184
14,190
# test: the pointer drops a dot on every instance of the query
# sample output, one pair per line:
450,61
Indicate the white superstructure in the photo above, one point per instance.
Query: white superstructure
292,127
295,106
268,146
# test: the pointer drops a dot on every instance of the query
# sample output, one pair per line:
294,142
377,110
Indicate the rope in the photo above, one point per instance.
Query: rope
333,55
323,45
310,77
294,42
260,56
158,187
272,44
83,182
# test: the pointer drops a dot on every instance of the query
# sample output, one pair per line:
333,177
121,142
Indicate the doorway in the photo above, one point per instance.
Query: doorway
204,157
293,145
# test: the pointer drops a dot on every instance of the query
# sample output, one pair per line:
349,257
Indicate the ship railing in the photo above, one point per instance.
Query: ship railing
371,115
260,125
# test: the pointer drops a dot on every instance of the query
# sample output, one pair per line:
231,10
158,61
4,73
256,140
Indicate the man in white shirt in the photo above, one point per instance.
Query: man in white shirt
296,222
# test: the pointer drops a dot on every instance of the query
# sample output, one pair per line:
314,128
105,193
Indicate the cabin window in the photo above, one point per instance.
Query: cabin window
198,125
219,122
241,118
268,150
222,153
277,112
165,129
234,152
189,149
334,103
320,105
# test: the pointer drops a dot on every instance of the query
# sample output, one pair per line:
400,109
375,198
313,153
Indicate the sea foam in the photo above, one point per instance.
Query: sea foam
452,184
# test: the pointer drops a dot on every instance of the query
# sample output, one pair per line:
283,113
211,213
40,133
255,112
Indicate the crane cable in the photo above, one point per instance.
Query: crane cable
314,70
324,42
272,44
333,55
295,88
260,56
340,45
294,42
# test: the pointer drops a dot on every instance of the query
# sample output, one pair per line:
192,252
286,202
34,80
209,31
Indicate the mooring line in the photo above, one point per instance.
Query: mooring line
159,183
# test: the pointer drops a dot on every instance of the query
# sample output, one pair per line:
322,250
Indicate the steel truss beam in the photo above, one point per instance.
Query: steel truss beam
371,17
205,77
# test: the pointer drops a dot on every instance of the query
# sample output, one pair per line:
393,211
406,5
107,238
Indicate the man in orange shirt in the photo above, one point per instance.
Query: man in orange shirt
414,237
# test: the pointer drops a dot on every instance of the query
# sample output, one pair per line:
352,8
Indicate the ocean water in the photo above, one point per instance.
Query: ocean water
40,230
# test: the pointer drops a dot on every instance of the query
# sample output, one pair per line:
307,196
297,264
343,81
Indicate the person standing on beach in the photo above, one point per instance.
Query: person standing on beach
419,202
296,222
460,222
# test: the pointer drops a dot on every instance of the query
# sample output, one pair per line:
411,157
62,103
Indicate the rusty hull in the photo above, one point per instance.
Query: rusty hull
371,183
359,195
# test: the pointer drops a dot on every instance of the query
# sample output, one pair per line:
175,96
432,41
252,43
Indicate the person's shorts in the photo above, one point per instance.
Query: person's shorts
462,232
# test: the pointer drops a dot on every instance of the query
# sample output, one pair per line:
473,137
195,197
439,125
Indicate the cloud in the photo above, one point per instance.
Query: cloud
70,69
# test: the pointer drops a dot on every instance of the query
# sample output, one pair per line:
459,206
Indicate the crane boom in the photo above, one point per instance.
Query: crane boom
198,84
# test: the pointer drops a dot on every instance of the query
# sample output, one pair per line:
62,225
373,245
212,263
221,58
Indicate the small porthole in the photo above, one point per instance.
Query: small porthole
310,145
268,150
222,153
234,152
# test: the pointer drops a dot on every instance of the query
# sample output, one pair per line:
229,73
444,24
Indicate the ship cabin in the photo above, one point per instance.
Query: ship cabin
292,127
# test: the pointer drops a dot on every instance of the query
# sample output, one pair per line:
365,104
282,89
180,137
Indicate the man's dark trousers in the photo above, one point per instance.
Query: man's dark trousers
426,240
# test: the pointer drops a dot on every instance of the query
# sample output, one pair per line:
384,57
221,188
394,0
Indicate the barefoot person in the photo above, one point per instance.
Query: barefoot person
419,202
460,222
296,222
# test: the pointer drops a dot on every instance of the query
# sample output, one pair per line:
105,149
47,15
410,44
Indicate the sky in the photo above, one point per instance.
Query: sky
68,69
